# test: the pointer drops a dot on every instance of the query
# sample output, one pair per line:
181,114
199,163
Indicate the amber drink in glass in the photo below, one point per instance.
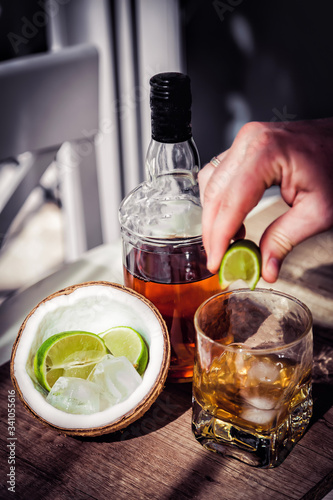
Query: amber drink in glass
252,375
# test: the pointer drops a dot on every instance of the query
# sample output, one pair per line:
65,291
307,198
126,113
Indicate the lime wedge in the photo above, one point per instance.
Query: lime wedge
125,341
70,354
242,261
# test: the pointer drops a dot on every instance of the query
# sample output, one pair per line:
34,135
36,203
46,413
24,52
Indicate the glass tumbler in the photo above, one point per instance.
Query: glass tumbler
252,375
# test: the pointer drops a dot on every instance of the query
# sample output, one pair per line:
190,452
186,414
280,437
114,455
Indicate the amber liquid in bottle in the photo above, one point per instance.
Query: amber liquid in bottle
177,282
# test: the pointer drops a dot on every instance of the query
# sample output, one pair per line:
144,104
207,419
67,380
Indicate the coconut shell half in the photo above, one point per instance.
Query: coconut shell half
94,306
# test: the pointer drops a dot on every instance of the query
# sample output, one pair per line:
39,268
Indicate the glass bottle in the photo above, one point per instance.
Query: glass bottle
163,254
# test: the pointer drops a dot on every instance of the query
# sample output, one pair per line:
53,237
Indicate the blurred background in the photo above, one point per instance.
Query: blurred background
74,100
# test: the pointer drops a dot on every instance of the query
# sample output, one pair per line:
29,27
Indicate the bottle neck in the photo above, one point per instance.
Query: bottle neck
178,158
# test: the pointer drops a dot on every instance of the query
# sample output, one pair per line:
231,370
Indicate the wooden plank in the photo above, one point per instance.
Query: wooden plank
157,457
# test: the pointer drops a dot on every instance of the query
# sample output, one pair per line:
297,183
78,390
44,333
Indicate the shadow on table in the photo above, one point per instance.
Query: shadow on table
201,478
175,400
319,277
322,373
322,400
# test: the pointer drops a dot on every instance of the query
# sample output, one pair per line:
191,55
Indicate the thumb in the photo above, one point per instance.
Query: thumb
282,236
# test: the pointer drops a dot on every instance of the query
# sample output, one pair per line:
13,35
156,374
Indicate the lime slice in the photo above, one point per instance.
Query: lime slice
242,261
125,341
70,354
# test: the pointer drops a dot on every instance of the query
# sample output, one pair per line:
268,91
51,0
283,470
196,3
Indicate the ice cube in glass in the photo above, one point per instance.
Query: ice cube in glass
269,334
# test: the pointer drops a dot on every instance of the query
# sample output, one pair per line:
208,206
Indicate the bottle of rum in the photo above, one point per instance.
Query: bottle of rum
163,254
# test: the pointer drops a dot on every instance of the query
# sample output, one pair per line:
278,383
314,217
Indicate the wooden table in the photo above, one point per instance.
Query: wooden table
157,457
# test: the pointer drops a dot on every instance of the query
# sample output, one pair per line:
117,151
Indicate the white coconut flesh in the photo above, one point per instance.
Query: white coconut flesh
94,309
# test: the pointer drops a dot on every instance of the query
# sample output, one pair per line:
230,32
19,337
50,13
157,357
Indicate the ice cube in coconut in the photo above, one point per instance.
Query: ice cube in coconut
75,395
116,379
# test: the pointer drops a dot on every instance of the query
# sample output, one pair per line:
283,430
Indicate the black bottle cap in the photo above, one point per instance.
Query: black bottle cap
170,103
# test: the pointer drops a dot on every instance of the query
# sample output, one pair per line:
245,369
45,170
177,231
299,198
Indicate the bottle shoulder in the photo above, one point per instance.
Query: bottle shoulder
167,208
167,204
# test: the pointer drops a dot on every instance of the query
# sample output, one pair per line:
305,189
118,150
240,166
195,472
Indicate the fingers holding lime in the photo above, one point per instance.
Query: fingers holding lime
242,261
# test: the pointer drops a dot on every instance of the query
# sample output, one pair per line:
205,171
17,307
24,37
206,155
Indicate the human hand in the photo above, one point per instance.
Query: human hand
297,156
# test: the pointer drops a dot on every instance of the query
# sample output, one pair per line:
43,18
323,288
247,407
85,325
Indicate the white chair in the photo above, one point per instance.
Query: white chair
49,107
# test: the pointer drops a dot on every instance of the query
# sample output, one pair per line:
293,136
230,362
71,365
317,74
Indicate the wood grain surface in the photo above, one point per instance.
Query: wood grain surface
157,457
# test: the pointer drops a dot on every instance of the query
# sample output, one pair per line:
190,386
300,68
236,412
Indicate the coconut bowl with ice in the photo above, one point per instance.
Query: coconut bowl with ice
91,307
